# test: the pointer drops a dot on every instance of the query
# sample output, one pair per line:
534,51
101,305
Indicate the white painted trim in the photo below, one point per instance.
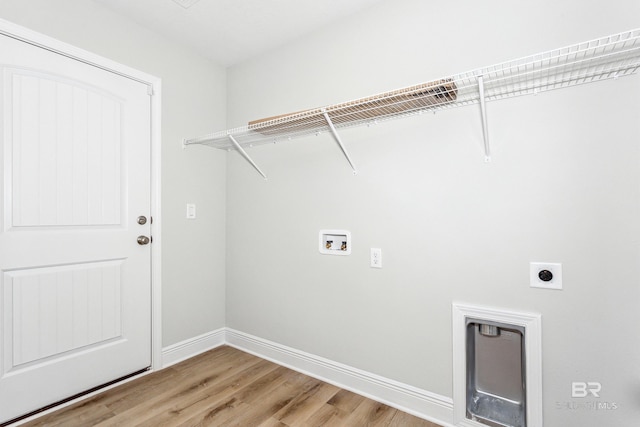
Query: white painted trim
26,35
410,399
532,324
156,226
192,347
43,41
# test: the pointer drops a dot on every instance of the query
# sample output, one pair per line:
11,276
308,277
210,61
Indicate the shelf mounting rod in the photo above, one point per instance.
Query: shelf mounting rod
336,136
485,126
245,155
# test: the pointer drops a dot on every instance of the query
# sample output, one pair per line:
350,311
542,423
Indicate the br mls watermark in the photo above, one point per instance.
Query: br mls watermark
586,390
579,389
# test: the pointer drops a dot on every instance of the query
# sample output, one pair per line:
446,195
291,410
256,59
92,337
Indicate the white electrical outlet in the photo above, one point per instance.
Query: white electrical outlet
545,275
376,257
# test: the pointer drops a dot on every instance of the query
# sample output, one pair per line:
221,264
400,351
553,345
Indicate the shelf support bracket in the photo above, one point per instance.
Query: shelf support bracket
245,155
485,126
336,136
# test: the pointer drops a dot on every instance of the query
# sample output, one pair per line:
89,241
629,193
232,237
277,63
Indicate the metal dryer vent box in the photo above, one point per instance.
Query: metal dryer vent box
496,374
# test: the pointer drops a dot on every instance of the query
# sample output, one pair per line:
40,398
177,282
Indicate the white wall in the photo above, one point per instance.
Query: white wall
193,264
563,186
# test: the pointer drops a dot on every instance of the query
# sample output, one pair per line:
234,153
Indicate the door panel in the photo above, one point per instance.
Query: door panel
58,310
65,151
75,286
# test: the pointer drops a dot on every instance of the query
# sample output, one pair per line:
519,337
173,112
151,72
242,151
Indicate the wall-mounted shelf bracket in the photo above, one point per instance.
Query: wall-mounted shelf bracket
336,136
483,112
246,156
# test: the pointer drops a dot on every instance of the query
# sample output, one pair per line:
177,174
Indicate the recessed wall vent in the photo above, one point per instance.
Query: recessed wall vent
496,380
497,367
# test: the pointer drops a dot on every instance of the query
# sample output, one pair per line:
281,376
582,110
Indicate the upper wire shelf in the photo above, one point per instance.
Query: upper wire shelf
600,59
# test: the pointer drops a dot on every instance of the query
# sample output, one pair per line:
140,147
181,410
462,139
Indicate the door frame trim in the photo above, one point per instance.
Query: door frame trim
34,38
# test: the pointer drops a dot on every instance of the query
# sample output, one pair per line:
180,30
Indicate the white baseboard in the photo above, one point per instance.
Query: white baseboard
415,401
410,399
188,348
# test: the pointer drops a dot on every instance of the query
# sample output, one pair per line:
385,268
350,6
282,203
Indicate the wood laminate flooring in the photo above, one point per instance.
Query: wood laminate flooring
228,387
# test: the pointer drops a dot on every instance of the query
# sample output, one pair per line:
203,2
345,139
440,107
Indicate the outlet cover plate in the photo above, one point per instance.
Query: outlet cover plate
555,269
376,258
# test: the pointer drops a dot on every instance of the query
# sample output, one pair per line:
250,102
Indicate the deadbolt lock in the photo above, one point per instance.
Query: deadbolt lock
142,220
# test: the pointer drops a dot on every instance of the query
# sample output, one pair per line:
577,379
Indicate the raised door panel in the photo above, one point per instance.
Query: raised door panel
56,311
64,157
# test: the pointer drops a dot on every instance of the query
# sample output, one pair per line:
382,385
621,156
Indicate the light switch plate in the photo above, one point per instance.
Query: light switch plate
191,211
556,272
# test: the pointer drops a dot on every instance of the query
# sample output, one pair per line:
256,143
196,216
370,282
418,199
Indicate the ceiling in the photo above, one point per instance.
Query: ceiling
231,31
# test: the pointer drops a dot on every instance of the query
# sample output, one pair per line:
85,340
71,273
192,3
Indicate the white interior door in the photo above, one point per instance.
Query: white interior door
75,285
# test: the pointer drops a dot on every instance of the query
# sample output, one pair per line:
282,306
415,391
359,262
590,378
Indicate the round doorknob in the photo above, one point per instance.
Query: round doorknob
143,240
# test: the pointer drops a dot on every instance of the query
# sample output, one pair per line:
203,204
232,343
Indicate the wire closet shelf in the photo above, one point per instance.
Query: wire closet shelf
600,59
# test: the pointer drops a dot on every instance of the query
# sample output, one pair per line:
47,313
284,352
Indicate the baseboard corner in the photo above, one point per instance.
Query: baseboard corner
186,349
